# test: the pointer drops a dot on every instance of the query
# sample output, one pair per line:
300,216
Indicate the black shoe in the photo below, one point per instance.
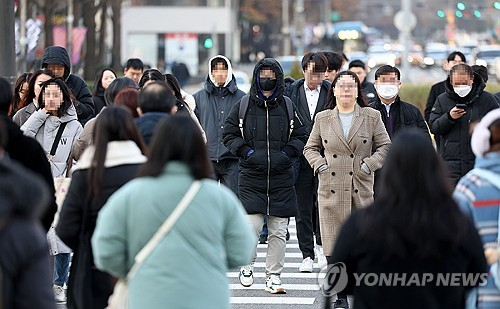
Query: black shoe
262,240
287,235
341,304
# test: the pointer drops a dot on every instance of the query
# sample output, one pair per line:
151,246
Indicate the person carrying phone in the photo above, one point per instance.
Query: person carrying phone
464,102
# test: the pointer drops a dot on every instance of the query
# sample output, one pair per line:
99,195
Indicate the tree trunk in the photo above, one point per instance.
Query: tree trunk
102,35
90,38
116,47
48,12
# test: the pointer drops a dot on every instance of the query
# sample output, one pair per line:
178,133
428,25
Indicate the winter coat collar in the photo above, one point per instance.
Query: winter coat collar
231,87
490,161
118,153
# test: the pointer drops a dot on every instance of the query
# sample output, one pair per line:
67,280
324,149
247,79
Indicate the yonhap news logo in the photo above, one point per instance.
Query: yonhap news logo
334,278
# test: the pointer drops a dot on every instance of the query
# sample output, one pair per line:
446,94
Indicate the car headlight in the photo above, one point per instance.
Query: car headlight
428,61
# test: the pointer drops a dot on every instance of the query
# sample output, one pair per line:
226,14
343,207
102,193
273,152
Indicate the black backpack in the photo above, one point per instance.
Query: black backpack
244,107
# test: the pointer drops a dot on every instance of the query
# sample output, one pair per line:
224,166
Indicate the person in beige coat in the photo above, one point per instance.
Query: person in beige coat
347,132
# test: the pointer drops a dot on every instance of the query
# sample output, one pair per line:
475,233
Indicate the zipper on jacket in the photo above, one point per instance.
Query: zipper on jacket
268,154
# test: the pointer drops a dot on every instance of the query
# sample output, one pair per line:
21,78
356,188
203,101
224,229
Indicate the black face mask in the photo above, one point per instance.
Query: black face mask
267,84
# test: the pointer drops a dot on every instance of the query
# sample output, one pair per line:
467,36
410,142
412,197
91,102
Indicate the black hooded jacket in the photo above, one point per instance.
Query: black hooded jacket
85,105
29,153
266,179
26,280
454,145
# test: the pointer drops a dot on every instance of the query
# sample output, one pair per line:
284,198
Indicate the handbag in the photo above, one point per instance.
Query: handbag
119,298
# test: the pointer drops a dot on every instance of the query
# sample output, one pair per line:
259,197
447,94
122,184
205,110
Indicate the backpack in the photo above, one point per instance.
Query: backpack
244,107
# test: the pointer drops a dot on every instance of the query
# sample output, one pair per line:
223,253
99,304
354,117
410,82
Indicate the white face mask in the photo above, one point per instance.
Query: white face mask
462,90
387,91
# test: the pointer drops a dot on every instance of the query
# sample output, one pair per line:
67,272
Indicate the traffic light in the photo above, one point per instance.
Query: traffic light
496,5
459,14
477,14
208,43
440,14
461,6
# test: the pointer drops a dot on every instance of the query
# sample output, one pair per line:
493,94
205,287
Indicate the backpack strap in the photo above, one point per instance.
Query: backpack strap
242,111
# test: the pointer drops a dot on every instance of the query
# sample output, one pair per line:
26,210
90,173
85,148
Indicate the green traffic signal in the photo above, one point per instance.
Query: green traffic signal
208,43
459,14
477,13
461,6
497,5
440,14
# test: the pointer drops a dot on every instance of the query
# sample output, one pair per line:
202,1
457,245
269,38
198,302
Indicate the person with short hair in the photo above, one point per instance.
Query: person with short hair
368,89
156,101
437,89
133,69
396,113
335,62
310,95
465,101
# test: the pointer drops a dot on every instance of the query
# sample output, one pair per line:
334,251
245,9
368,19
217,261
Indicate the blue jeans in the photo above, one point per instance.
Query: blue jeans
264,232
61,268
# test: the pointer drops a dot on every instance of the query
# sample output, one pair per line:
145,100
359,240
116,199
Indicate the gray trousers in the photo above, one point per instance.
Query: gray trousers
275,257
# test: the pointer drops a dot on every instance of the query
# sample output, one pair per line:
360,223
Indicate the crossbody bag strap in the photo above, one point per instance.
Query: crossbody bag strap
165,228
57,139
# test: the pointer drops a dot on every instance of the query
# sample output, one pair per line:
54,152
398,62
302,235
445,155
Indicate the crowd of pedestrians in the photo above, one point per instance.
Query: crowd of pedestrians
141,183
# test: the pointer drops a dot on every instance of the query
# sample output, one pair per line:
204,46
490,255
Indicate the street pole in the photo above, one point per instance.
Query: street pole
23,40
299,26
285,29
7,41
69,32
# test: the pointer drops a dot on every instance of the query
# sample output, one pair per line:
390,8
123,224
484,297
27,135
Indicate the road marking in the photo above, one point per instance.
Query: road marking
273,300
287,255
283,275
291,287
287,265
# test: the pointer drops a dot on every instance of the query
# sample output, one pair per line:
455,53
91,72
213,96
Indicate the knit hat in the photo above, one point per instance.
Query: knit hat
480,141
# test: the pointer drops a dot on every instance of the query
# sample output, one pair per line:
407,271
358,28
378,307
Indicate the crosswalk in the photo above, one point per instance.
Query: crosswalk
302,289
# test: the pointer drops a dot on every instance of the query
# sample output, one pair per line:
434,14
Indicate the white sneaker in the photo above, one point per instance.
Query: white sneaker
274,286
322,262
246,275
307,265
59,294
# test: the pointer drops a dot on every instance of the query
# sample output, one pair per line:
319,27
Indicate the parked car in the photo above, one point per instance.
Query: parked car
381,55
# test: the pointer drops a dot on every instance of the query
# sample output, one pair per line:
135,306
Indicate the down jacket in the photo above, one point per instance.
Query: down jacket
25,276
266,179
43,127
454,145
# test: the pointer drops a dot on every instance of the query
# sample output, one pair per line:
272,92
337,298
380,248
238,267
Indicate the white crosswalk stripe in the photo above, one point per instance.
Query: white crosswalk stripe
302,289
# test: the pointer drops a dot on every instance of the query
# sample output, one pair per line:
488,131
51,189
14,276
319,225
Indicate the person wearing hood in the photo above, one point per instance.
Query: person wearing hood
24,262
213,104
477,194
56,59
27,151
266,143
309,94
464,102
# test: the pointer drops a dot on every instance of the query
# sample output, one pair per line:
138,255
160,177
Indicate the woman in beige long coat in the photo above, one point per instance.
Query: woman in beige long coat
347,132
